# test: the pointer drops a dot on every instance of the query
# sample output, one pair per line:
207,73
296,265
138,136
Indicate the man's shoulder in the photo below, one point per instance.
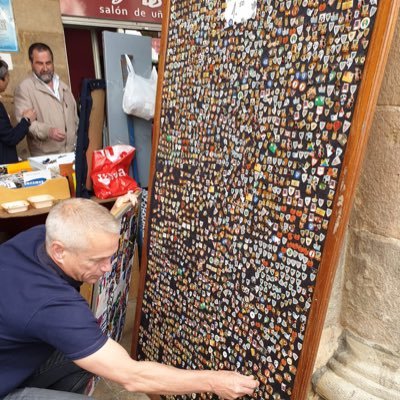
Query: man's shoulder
27,82
35,230
63,85
28,237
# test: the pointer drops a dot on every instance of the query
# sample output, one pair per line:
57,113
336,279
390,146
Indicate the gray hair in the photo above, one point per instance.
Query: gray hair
3,69
72,221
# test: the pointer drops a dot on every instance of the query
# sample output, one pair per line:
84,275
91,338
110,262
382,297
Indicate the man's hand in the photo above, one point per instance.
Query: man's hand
30,114
231,385
56,134
113,362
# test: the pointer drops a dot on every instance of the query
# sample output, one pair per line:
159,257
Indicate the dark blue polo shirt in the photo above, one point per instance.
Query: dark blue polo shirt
40,310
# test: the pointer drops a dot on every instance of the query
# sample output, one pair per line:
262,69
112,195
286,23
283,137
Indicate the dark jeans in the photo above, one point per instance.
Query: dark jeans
56,374
44,394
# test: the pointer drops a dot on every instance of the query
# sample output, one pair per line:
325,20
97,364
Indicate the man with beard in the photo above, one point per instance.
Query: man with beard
54,131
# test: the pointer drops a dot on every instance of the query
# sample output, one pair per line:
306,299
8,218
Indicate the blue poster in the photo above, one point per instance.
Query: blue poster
8,37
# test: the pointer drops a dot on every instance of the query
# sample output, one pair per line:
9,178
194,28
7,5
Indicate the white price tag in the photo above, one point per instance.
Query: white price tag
239,11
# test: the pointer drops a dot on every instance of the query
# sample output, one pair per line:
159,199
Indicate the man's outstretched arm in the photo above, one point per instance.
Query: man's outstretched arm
114,363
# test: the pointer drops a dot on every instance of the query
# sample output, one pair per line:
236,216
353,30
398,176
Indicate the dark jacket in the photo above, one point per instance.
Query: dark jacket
41,310
10,137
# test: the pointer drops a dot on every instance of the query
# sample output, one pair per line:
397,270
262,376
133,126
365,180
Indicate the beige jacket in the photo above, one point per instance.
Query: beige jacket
51,113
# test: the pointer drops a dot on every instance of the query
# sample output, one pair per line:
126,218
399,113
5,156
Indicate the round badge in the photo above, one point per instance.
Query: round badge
365,23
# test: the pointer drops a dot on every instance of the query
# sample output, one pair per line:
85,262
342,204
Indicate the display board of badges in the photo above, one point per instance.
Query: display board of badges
111,292
262,120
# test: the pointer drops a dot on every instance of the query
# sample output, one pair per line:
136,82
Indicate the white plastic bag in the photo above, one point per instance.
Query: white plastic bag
140,93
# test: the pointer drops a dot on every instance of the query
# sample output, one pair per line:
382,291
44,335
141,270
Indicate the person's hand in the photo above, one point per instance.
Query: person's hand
56,134
30,114
130,196
231,385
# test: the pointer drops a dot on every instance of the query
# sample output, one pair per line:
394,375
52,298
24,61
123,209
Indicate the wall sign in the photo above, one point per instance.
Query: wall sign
263,118
123,10
8,37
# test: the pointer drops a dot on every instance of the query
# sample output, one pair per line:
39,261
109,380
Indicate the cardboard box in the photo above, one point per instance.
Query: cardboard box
57,187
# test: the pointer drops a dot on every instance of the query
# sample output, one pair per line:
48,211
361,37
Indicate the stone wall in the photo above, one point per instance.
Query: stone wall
371,306
366,358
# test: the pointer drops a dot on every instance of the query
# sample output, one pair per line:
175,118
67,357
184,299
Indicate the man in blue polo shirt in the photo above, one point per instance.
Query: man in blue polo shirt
50,343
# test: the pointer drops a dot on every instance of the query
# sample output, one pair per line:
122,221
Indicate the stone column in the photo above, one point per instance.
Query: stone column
367,362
